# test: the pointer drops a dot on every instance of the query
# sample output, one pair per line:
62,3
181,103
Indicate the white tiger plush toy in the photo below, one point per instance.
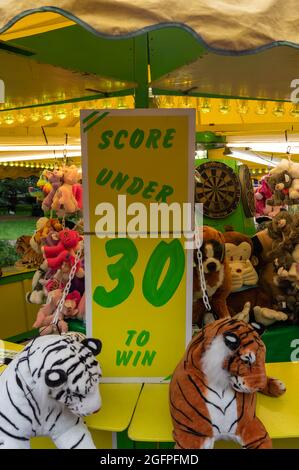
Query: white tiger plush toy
47,389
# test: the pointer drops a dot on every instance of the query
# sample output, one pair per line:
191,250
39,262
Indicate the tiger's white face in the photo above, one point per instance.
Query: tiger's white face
74,380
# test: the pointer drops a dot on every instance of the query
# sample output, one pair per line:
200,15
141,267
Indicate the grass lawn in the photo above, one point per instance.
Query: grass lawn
13,227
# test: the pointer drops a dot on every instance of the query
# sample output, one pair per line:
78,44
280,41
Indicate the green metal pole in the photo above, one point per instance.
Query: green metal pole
141,61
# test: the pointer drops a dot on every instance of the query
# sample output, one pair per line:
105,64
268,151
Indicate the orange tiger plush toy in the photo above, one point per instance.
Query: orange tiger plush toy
213,389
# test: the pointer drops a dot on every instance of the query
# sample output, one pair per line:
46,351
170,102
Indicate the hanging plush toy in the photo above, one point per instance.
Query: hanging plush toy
47,389
55,178
213,389
217,276
68,197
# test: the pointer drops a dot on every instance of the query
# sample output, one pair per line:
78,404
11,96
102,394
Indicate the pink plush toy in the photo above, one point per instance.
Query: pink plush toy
262,193
55,178
78,194
46,313
64,201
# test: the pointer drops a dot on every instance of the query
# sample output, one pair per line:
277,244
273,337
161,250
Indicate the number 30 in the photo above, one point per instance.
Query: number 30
121,270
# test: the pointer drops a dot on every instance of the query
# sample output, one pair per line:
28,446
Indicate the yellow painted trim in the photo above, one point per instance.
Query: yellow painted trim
35,24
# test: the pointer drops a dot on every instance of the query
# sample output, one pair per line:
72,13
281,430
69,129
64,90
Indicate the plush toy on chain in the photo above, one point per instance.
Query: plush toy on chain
261,194
280,185
29,257
46,391
285,178
216,274
213,389
55,178
68,197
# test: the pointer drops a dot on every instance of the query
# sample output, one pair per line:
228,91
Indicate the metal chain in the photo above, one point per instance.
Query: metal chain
202,278
67,288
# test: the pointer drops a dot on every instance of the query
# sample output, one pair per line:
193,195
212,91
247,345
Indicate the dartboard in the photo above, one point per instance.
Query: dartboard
217,187
247,191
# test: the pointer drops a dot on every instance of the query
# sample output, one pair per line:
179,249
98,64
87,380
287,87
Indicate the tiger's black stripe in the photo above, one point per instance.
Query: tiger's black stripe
196,410
77,443
49,414
54,350
262,438
180,411
16,407
202,396
20,438
20,385
241,414
191,430
8,420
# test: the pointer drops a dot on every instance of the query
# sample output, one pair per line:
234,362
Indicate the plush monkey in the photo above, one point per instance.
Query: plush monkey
280,185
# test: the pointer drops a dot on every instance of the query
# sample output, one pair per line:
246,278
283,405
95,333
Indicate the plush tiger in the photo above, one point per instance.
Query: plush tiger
47,389
213,389
29,257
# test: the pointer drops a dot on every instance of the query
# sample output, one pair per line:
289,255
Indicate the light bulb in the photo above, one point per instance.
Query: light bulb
261,108
48,115
35,116
76,111
278,110
243,107
224,107
61,114
107,104
168,102
9,119
295,111
205,106
186,102
120,103
21,118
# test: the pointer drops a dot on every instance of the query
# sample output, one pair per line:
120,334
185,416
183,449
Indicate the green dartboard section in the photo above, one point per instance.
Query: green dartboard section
225,190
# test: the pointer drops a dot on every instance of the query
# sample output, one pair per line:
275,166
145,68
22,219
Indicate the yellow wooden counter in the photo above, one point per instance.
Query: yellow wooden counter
16,315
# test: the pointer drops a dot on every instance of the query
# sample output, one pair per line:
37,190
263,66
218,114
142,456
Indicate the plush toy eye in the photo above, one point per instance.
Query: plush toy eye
55,377
95,345
258,328
231,340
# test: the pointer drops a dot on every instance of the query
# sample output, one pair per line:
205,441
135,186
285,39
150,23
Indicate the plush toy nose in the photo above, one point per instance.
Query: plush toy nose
211,266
